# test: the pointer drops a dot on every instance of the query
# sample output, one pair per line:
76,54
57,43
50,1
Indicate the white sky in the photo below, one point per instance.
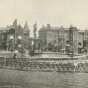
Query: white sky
55,12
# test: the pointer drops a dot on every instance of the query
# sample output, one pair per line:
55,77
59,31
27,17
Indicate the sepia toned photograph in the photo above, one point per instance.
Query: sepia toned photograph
43,43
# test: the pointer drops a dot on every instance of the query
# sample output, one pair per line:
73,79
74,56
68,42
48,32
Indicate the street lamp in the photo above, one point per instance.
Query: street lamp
16,51
19,37
11,37
12,46
12,42
19,45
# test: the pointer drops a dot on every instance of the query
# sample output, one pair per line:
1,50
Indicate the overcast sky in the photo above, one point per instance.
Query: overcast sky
55,12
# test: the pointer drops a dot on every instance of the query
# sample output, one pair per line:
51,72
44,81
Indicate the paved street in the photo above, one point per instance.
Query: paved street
26,79
43,79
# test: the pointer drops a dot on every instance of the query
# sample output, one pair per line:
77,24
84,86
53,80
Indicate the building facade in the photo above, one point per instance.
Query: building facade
14,37
20,35
58,38
48,37
3,38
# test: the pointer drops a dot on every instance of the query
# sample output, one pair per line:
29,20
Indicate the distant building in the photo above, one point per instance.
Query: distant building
57,38
85,42
19,36
75,38
48,37
3,38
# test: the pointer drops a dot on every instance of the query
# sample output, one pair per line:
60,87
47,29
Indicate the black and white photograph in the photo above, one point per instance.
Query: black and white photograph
43,43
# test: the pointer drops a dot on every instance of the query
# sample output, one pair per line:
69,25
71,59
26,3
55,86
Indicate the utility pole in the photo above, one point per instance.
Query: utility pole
71,40
58,42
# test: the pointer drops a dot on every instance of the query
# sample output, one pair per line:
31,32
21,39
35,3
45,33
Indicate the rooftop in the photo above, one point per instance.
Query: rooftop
49,27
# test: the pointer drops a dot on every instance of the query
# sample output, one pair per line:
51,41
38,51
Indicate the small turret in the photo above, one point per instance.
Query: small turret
26,27
15,23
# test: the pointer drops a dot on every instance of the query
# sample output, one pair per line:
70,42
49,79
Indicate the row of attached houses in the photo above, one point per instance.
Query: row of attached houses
50,38
58,38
